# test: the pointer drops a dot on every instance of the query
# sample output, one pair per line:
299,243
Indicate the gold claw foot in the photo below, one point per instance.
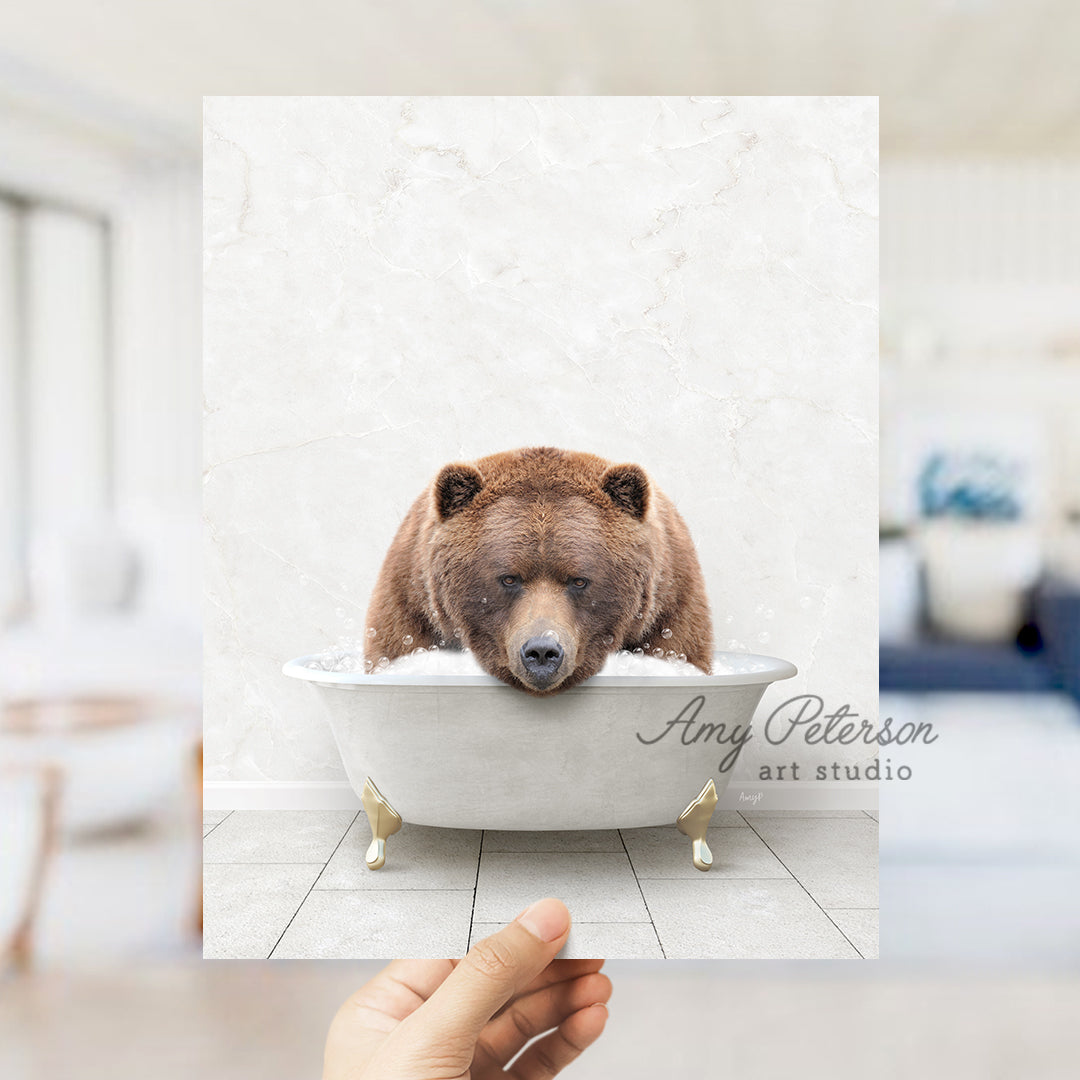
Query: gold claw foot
694,822
384,821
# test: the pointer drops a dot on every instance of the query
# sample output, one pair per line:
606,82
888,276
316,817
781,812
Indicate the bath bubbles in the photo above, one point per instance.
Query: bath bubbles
483,600
769,613
371,631
608,639
551,634
763,638
407,639
428,662
666,632
350,623
625,662
423,663
739,665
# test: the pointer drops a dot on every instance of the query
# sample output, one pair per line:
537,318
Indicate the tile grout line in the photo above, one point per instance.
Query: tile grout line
641,891
359,892
263,862
476,887
858,951
270,954
220,823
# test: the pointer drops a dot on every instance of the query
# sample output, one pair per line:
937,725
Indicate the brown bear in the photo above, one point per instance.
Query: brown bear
542,562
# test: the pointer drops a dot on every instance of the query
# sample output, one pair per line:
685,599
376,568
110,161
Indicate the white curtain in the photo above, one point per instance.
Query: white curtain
11,514
67,408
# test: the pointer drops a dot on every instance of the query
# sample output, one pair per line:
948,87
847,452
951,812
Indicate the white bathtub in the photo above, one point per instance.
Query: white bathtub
469,752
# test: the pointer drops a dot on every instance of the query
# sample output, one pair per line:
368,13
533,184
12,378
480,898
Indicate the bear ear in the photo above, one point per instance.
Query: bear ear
455,487
628,487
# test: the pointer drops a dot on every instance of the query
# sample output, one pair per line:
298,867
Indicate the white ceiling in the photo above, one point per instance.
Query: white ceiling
955,76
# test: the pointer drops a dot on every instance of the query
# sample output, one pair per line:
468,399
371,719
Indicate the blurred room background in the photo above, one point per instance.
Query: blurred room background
980,549
99,496
99,519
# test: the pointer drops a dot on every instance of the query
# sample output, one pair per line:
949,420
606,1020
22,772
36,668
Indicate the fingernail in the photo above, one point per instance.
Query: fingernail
546,919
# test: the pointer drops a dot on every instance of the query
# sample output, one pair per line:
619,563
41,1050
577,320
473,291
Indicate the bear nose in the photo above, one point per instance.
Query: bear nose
541,656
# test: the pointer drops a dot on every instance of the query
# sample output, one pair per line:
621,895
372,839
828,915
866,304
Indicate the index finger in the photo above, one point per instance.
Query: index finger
494,971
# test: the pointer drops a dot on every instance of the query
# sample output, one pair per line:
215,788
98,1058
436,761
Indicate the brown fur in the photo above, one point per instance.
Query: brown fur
548,517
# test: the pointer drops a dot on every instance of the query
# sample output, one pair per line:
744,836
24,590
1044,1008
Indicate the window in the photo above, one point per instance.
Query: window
56,454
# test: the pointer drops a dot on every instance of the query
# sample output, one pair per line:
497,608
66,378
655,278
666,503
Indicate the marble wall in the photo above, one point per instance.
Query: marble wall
391,284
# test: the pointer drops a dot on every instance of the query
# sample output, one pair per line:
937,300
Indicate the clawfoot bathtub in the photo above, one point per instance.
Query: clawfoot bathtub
469,752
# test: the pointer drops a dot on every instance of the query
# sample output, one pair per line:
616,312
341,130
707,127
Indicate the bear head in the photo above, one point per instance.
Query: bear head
539,561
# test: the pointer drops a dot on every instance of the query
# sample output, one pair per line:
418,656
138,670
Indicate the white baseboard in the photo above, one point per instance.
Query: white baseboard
338,795
279,795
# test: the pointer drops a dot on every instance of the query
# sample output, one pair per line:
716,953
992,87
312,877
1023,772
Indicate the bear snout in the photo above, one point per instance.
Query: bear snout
542,657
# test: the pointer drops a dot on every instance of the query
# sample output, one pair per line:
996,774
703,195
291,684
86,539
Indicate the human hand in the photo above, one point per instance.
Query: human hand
465,1020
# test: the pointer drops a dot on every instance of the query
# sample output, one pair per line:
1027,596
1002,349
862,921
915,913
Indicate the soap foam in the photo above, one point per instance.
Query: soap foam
421,662
624,662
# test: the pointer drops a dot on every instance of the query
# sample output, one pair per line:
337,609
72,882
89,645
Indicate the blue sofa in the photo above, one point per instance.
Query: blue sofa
1044,661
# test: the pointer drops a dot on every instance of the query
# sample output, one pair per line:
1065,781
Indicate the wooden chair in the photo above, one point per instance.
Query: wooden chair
34,793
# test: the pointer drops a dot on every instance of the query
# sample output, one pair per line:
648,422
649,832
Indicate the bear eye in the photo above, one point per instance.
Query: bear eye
579,582
509,580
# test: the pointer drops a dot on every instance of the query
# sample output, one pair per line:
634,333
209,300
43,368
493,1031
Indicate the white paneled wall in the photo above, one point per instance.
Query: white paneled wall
984,255
992,222
158,383
980,273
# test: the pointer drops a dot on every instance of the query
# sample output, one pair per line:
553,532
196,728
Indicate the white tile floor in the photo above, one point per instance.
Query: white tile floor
293,884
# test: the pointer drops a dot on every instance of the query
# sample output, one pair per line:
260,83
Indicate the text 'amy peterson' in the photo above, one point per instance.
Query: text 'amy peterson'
804,714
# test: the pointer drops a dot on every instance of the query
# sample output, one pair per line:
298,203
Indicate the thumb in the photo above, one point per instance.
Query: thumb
493,971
